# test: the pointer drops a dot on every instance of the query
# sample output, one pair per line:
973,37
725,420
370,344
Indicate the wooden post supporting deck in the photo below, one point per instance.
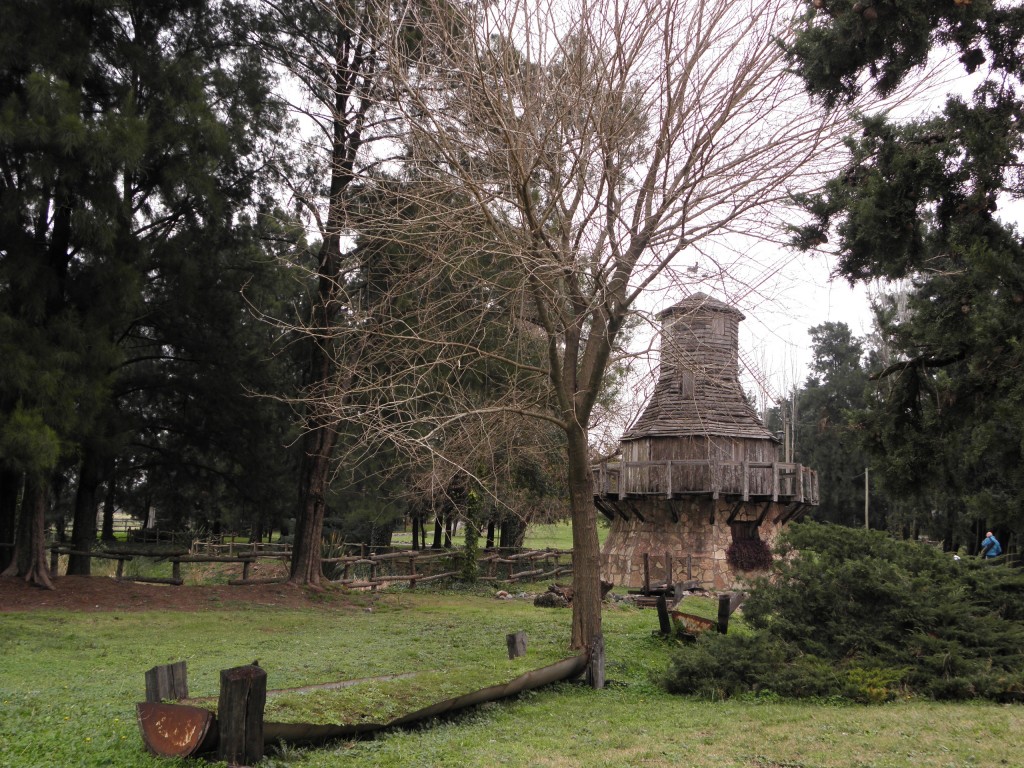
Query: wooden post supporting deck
243,696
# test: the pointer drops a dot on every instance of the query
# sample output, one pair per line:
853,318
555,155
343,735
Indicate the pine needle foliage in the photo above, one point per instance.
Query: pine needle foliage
859,615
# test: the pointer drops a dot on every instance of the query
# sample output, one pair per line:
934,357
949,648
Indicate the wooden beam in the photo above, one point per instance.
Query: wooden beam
635,511
673,510
735,511
603,508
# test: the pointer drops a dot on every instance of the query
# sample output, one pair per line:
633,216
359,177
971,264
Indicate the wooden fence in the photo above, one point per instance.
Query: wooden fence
370,571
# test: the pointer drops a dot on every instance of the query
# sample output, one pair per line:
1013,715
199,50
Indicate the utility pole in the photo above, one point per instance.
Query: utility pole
866,526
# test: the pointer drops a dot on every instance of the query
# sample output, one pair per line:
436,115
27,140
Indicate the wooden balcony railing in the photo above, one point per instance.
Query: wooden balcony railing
746,480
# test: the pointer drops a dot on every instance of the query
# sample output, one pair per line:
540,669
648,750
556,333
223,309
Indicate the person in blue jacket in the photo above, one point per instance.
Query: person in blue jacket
990,546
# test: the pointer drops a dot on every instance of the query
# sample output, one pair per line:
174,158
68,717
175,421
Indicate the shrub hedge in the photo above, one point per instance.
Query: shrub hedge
859,615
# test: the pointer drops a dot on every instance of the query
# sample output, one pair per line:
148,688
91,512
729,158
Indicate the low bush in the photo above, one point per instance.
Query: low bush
860,615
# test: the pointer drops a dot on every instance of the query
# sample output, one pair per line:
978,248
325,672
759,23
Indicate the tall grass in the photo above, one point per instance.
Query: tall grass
69,683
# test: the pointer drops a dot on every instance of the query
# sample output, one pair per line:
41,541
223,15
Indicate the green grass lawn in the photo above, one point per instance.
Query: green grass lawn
69,683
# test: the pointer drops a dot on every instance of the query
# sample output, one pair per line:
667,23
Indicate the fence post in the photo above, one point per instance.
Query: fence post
243,696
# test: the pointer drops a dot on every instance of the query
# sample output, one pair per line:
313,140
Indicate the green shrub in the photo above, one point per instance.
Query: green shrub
857,614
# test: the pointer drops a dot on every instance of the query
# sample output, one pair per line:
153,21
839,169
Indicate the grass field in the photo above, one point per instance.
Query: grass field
69,683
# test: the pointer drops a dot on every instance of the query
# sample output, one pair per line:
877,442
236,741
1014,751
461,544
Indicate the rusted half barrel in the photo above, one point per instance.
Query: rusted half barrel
176,730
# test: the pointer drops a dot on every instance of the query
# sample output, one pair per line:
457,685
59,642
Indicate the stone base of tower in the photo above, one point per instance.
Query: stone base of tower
695,533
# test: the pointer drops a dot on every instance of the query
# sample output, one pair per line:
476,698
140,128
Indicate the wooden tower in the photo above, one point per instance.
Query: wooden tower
699,488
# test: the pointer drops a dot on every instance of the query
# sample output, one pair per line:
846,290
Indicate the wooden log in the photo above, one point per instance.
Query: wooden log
155,580
176,730
243,696
176,570
516,644
167,682
254,582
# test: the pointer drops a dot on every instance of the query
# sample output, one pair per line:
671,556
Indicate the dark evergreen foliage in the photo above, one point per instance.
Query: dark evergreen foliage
130,181
857,614
924,201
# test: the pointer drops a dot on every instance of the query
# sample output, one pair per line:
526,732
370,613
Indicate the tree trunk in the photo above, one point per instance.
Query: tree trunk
83,531
109,504
29,560
10,485
438,531
309,521
586,554
415,532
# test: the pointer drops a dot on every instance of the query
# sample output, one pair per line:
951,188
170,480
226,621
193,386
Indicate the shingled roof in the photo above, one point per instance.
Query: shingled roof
698,390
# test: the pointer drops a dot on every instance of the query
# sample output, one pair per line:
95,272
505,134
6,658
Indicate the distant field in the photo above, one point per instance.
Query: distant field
69,682
553,535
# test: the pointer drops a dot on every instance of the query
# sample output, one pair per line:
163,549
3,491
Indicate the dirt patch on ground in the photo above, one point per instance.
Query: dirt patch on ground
101,593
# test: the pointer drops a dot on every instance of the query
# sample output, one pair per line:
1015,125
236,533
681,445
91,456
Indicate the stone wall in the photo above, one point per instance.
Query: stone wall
694,539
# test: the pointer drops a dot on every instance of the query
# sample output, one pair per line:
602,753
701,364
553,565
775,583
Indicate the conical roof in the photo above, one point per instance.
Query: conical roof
698,390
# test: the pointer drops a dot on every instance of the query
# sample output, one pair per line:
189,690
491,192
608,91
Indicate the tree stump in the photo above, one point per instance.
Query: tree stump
516,644
168,682
243,695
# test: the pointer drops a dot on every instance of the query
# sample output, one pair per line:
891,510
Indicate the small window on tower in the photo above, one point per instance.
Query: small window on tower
686,383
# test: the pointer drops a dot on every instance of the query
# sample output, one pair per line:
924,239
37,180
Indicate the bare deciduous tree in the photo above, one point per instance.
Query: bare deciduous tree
559,157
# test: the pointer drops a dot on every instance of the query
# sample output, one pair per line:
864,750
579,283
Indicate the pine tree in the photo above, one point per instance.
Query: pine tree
128,133
921,200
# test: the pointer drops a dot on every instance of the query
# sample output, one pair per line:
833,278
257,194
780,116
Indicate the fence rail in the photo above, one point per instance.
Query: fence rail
777,481
370,571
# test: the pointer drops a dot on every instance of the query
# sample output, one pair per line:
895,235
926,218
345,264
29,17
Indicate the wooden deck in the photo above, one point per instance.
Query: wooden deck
676,479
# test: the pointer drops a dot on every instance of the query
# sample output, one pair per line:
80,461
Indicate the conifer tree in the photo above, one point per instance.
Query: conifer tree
126,141
926,200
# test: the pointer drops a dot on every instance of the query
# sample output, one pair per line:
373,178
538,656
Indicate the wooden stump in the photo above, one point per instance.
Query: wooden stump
243,695
663,619
516,644
168,682
595,667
